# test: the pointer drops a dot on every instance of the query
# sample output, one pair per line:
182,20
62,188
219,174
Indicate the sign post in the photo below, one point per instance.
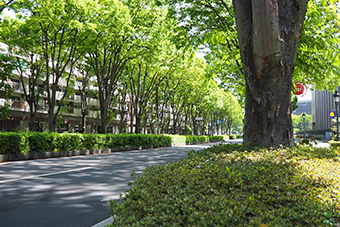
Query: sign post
301,88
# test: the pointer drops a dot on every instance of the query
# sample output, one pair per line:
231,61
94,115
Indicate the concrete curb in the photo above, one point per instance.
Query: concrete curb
104,223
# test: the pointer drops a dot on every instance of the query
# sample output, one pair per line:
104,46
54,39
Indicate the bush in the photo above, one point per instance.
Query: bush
41,142
68,142
29,142
177,139
232,137
196,139
335,144
304,141
13,143
229,186
215,138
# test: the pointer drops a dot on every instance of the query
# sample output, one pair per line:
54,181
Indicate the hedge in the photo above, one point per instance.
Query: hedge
335,144
232,137
228,185
31,142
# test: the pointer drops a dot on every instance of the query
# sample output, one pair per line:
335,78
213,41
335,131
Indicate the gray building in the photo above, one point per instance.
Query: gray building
322,104
303,107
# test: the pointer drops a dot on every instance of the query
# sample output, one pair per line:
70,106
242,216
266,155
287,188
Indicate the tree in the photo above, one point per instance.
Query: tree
7,66
154,65
318,60
145,77
5,4
269,34
22,48
83,75
62,26
175,65
298,120
109,51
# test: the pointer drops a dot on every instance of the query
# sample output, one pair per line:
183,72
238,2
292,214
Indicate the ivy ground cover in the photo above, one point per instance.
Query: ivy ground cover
228,185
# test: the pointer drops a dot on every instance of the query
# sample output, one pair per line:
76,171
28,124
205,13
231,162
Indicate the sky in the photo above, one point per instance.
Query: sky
7,12
307,96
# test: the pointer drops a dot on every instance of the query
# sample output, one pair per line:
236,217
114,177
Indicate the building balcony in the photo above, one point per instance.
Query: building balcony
43,93
92,102
77,112
77,98
42,109
94,114
17,87
19,105
59,95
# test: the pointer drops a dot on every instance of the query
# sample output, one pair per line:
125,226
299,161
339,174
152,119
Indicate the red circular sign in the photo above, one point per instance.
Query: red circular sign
300,89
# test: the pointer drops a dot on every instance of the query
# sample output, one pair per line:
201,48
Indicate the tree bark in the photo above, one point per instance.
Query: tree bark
269,33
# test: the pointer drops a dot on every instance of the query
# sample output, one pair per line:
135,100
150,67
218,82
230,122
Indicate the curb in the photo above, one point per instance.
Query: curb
104,223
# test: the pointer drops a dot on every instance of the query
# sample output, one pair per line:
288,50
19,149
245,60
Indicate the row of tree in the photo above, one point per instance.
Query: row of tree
130,50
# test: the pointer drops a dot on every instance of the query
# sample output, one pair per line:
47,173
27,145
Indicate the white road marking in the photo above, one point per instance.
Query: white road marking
45,175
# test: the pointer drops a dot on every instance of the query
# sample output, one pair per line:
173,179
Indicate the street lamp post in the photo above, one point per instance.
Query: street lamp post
304,125
336,97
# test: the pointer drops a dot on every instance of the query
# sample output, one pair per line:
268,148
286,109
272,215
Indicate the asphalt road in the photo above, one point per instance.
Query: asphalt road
73,191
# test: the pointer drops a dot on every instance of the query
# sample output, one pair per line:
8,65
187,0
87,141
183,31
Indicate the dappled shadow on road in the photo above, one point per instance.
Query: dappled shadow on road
72,191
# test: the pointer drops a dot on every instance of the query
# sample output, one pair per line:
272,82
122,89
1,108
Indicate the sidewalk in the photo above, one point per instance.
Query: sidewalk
321,144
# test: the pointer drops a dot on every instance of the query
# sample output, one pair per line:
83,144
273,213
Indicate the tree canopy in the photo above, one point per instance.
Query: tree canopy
212,24
132,51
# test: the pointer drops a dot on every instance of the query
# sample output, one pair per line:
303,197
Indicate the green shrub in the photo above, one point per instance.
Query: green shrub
13,143
335,144
215,138
304,141
232,137
90,141
229,186
177,139
139,140
68,142
196,139
161,141
41,142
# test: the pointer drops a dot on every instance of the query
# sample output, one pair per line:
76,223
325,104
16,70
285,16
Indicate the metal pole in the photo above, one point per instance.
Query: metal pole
337,121
304,128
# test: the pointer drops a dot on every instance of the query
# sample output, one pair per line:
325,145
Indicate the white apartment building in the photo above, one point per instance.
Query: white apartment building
70,120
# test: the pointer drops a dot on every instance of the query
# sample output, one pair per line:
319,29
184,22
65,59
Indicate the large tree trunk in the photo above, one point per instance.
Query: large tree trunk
103,118
269,33
33,111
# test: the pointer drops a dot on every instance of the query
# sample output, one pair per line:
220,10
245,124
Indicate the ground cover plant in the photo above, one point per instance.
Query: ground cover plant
228,185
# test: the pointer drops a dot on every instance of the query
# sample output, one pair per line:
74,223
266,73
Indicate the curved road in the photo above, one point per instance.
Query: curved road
73,191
